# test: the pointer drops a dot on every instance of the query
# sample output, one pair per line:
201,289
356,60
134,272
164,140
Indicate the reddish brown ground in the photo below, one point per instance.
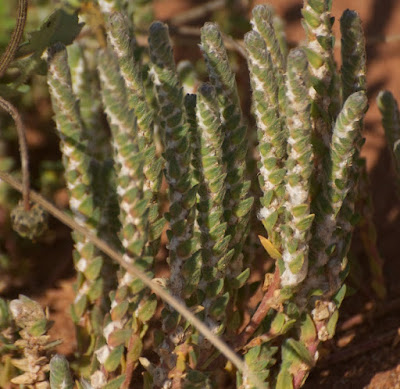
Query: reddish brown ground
365,352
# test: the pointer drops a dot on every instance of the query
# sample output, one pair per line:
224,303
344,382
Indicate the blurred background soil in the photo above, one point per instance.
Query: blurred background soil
365,352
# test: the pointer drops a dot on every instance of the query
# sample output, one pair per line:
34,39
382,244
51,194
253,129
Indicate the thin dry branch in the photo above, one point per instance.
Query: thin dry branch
198,12
8,107
16,37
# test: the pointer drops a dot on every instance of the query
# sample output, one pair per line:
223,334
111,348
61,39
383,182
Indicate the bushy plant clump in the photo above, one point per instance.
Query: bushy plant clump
309,118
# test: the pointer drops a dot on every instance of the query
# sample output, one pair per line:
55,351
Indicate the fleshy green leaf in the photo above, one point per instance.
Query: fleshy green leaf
60,376
60,26
148,309
115,383
114,359
285,380
296,351
331,326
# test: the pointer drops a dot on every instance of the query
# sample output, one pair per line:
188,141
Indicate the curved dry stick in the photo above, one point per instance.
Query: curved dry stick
156,288
194,13
16,36
8,107
5,60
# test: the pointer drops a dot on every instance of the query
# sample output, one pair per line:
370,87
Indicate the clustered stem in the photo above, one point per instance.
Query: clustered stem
309,127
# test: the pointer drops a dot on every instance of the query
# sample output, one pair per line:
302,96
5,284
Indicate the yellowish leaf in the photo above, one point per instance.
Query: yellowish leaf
270,248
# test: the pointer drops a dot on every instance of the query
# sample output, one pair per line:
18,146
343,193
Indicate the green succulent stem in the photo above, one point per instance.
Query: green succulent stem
391,124
263,24
122,42
172,116
353,69
345,133
183,259
317,22
299,166
125,325
271,135
129,162
77,173
266,23
210,210
237,202
85,85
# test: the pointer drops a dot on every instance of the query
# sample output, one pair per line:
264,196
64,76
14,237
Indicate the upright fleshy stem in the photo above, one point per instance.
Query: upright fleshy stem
353,54
212,174
177,154
183,261
320,325
263,23
134,233
299,167
344,180
391,124
341,182
237,203
317,23
90,294
85,85
333,228
76,162
122,40
354,79
129,163
271,135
